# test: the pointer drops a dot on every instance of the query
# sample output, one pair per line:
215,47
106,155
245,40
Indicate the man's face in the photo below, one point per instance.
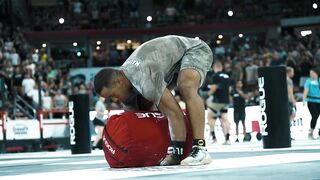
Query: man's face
291,74
313,74
239,84
118,92
217,68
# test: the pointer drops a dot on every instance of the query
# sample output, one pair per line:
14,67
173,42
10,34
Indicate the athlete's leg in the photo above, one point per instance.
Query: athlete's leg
98,137
211,115
225,125
169,107
188,83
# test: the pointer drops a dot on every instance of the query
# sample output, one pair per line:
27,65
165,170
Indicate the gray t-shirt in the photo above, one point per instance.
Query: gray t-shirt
289,82
154,64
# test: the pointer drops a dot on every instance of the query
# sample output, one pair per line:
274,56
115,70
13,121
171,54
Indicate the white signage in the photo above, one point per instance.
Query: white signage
23,129
71,123
55,128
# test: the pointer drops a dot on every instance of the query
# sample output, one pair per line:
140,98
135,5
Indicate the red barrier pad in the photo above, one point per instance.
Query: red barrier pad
136,139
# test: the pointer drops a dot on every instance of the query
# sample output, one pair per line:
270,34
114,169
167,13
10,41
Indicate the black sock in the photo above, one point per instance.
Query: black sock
213,135
199,142
227,136
177,149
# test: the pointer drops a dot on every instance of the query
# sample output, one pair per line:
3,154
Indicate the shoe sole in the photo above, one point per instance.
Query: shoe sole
203,162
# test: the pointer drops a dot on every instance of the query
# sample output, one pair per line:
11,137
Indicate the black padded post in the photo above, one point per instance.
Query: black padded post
79,124
273,91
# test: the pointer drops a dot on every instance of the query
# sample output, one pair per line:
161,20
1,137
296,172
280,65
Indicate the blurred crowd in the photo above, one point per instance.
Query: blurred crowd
244,55
29,72
85,14
102,14
26,71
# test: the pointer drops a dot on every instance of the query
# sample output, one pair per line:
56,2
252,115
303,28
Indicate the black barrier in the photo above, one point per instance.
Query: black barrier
275,123
79,124
2,93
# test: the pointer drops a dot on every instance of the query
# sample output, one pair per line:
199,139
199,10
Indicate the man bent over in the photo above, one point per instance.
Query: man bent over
144,82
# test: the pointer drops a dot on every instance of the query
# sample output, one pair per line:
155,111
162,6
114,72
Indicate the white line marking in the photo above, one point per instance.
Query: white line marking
81,162
26,161
109,173
57,154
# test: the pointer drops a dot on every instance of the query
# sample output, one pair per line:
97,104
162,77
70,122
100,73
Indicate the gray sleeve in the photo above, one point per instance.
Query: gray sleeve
147,80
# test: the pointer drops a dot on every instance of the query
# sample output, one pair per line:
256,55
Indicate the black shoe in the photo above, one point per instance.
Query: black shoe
169,161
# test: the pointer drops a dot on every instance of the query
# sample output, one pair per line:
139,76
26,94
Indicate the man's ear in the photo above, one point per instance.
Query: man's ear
117,80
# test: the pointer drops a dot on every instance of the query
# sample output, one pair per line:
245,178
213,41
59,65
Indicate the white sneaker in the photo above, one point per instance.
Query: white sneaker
227,142
310,136
198,156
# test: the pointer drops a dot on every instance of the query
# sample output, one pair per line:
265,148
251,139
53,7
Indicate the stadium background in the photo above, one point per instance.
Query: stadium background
60,44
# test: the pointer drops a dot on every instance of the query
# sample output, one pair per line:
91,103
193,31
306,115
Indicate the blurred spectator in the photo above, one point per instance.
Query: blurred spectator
14,57
8,44
77,8
35,57
52,73
17,80
251,71
317,57
60,101
47,101
99,121
218,102
291,97
134,10
239,105
311,95
28,83
83,89
34,95
30,66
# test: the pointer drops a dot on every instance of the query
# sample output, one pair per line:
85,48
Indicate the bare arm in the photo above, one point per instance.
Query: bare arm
99,112
170,108
243,95
65,101
54,102
305,93
213,89
291,95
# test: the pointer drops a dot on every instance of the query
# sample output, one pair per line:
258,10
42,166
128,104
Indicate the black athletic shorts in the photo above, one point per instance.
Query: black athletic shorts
239,116
98,122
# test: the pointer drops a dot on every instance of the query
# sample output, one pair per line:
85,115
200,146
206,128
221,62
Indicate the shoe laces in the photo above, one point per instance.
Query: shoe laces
195,151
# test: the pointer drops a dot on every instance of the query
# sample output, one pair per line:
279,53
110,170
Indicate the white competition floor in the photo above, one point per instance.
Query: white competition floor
236,161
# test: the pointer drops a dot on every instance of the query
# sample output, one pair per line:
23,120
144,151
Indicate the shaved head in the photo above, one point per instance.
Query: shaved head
104,78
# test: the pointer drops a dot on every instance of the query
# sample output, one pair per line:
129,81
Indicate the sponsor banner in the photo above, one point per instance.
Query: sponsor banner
2,124
23,129
83,74
29,129
55,128
299,127
1,133
301,123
